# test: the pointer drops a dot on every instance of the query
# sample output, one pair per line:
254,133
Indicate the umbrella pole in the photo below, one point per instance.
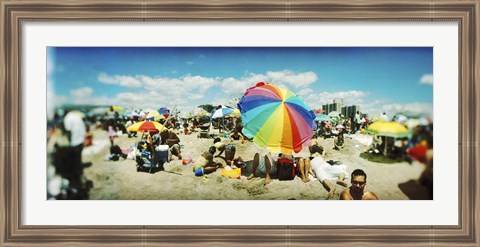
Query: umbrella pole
385,147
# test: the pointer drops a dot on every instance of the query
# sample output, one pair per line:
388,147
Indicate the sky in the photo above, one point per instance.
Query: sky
378,79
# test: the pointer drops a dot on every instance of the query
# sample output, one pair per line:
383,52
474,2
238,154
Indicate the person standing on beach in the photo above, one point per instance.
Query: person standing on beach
357,191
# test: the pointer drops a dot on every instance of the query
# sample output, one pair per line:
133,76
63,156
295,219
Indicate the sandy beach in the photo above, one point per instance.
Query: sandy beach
119,180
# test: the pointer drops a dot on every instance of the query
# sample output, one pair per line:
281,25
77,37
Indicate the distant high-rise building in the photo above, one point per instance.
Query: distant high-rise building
335,106
350,111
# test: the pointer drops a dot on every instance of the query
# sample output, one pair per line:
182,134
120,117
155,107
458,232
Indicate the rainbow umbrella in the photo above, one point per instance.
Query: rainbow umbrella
276,118
146,126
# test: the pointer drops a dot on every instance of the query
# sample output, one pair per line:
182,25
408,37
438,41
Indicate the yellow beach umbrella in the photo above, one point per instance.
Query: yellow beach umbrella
389,129
235,113
118,108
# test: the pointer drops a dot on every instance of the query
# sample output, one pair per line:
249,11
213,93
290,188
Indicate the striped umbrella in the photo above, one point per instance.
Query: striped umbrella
154,116
222,112
276,118
146,126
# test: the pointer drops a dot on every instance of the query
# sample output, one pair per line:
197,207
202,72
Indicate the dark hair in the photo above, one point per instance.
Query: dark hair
314,136
359,172
316,149
212,150
217,140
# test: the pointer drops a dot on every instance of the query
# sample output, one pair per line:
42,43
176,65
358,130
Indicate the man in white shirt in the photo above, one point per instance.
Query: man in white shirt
75,131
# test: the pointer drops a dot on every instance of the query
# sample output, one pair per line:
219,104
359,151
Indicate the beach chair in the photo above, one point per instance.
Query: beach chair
204,125
148,161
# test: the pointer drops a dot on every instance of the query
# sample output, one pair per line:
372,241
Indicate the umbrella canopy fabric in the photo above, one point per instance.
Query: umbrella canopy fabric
333,114
322,117
390,129
118,108
164,111
235,113
318,111
276,118
146,126
222,112
154,116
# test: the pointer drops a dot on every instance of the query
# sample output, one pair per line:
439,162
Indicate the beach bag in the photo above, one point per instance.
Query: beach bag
285,169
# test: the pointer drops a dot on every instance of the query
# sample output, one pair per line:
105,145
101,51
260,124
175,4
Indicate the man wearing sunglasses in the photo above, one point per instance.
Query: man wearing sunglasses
357,190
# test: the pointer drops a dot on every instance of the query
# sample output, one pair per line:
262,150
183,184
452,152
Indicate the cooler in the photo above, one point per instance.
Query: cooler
162,154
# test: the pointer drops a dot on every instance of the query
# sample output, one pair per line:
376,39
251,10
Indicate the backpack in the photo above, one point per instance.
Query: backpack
285,169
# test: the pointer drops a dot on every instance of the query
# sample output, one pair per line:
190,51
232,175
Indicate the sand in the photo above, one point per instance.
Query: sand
119,180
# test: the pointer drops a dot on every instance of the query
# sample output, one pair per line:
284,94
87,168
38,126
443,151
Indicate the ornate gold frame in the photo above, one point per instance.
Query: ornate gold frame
15,12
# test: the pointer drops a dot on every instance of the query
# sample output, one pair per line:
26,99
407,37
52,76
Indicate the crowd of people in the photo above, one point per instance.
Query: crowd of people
67,181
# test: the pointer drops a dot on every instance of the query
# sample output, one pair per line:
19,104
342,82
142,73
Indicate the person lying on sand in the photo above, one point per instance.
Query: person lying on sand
357,191
204,163
303,168
267,166
329,174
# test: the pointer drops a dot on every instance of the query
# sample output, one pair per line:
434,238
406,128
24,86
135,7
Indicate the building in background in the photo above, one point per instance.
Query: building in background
335,106
350,111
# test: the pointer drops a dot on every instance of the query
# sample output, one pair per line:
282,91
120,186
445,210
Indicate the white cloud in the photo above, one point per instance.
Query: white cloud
84,96
284,79
415,107
305,92
81,92
190,63
161,91
292,78
427,79
124,81
233,86
353,97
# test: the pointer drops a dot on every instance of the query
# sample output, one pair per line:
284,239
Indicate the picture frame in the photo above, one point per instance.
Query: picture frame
15,13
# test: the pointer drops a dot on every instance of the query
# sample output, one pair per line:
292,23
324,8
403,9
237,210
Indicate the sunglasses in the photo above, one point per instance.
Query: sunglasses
358,182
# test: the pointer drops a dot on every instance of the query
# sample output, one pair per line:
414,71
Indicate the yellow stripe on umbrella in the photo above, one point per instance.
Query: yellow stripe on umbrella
146,126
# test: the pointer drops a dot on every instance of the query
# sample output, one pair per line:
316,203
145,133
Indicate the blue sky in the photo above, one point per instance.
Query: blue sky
378,79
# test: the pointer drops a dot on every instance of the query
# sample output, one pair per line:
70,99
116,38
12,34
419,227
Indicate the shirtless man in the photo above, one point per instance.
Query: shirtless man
168,137
357,190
